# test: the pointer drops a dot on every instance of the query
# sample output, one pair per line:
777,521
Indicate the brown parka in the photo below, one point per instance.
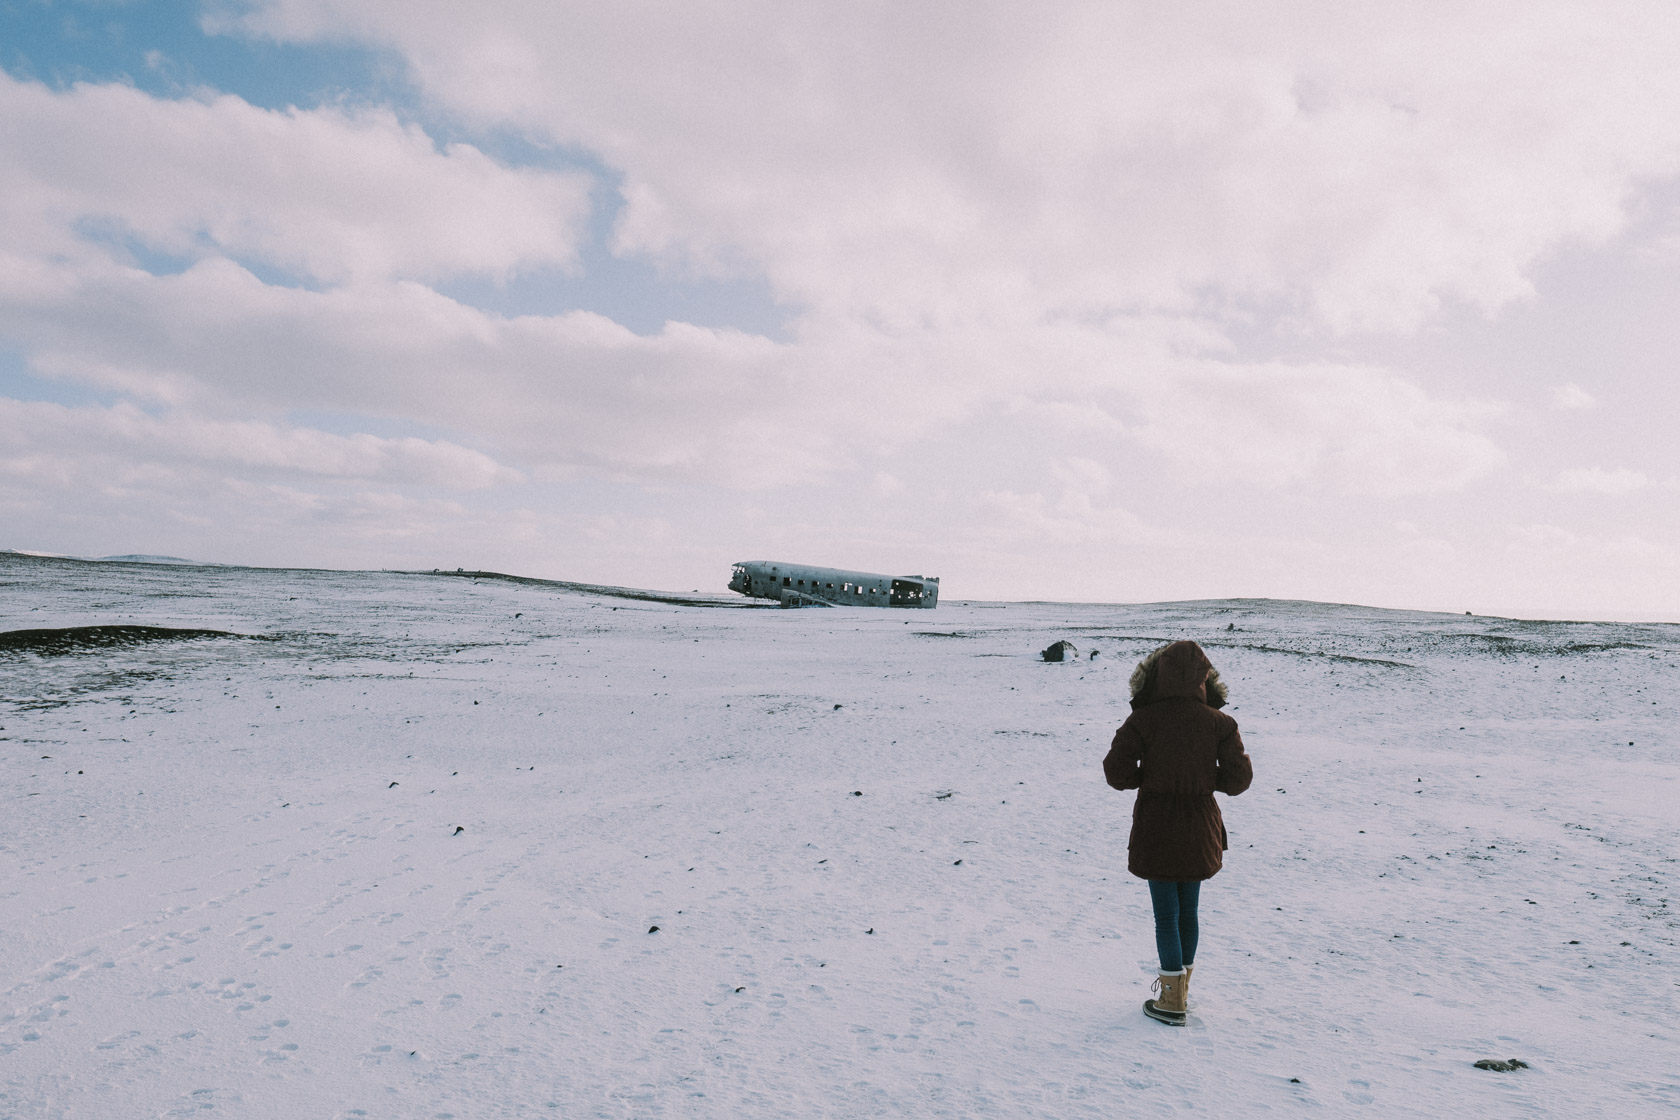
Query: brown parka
1176,749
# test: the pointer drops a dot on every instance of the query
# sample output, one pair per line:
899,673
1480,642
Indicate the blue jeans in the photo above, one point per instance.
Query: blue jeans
1175,921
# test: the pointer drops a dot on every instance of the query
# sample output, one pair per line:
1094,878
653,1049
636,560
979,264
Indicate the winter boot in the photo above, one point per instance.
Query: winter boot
1180,994
1169,1008
1188,969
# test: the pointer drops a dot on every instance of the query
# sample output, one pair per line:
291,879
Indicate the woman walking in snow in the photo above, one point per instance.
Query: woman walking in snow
1176,749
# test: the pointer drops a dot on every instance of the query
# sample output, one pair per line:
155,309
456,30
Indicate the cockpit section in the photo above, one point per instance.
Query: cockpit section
906,593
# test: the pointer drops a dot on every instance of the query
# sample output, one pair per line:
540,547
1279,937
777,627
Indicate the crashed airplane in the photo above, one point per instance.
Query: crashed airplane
800,585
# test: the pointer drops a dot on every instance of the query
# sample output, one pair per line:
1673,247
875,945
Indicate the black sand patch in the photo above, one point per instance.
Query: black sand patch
79,639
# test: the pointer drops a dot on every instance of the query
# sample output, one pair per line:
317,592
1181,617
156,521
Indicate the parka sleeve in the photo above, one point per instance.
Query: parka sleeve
1121,766
1236,769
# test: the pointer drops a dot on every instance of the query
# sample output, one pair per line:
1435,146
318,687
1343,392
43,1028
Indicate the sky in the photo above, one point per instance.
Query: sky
1077,301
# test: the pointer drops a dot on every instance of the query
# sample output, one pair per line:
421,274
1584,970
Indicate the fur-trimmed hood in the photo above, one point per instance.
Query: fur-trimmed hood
1177,669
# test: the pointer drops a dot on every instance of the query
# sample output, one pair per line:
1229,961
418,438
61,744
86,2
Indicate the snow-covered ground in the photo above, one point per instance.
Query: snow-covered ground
400,854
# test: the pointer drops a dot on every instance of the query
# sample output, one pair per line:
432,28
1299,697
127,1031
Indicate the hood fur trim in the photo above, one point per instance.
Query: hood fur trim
1218,693
1144,674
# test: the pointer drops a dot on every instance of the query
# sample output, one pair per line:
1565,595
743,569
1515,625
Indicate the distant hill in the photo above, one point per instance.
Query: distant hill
126,558
145,558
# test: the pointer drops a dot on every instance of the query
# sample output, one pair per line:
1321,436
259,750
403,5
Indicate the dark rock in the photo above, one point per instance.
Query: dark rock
1494,1063
653,929
1060,651
460,828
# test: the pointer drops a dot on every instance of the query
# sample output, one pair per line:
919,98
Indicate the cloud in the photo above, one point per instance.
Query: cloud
1078,514
915,165
886,485
103,446
1017,518
1597,480
1571,397
1362,430
571,390
1599,562
329,195
576,390
1065,216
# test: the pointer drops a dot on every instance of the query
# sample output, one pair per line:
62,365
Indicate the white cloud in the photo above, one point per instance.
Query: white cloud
1360,429
106,445
1057,214
1571,397
1078,513
570,389
1086,478
1606,566
1019,518
331,195
1597,480
576,390
1017,161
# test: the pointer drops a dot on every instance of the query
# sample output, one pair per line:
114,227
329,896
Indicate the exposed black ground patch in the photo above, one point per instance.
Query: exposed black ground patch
1218,643
77,639
606,590
1313,654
